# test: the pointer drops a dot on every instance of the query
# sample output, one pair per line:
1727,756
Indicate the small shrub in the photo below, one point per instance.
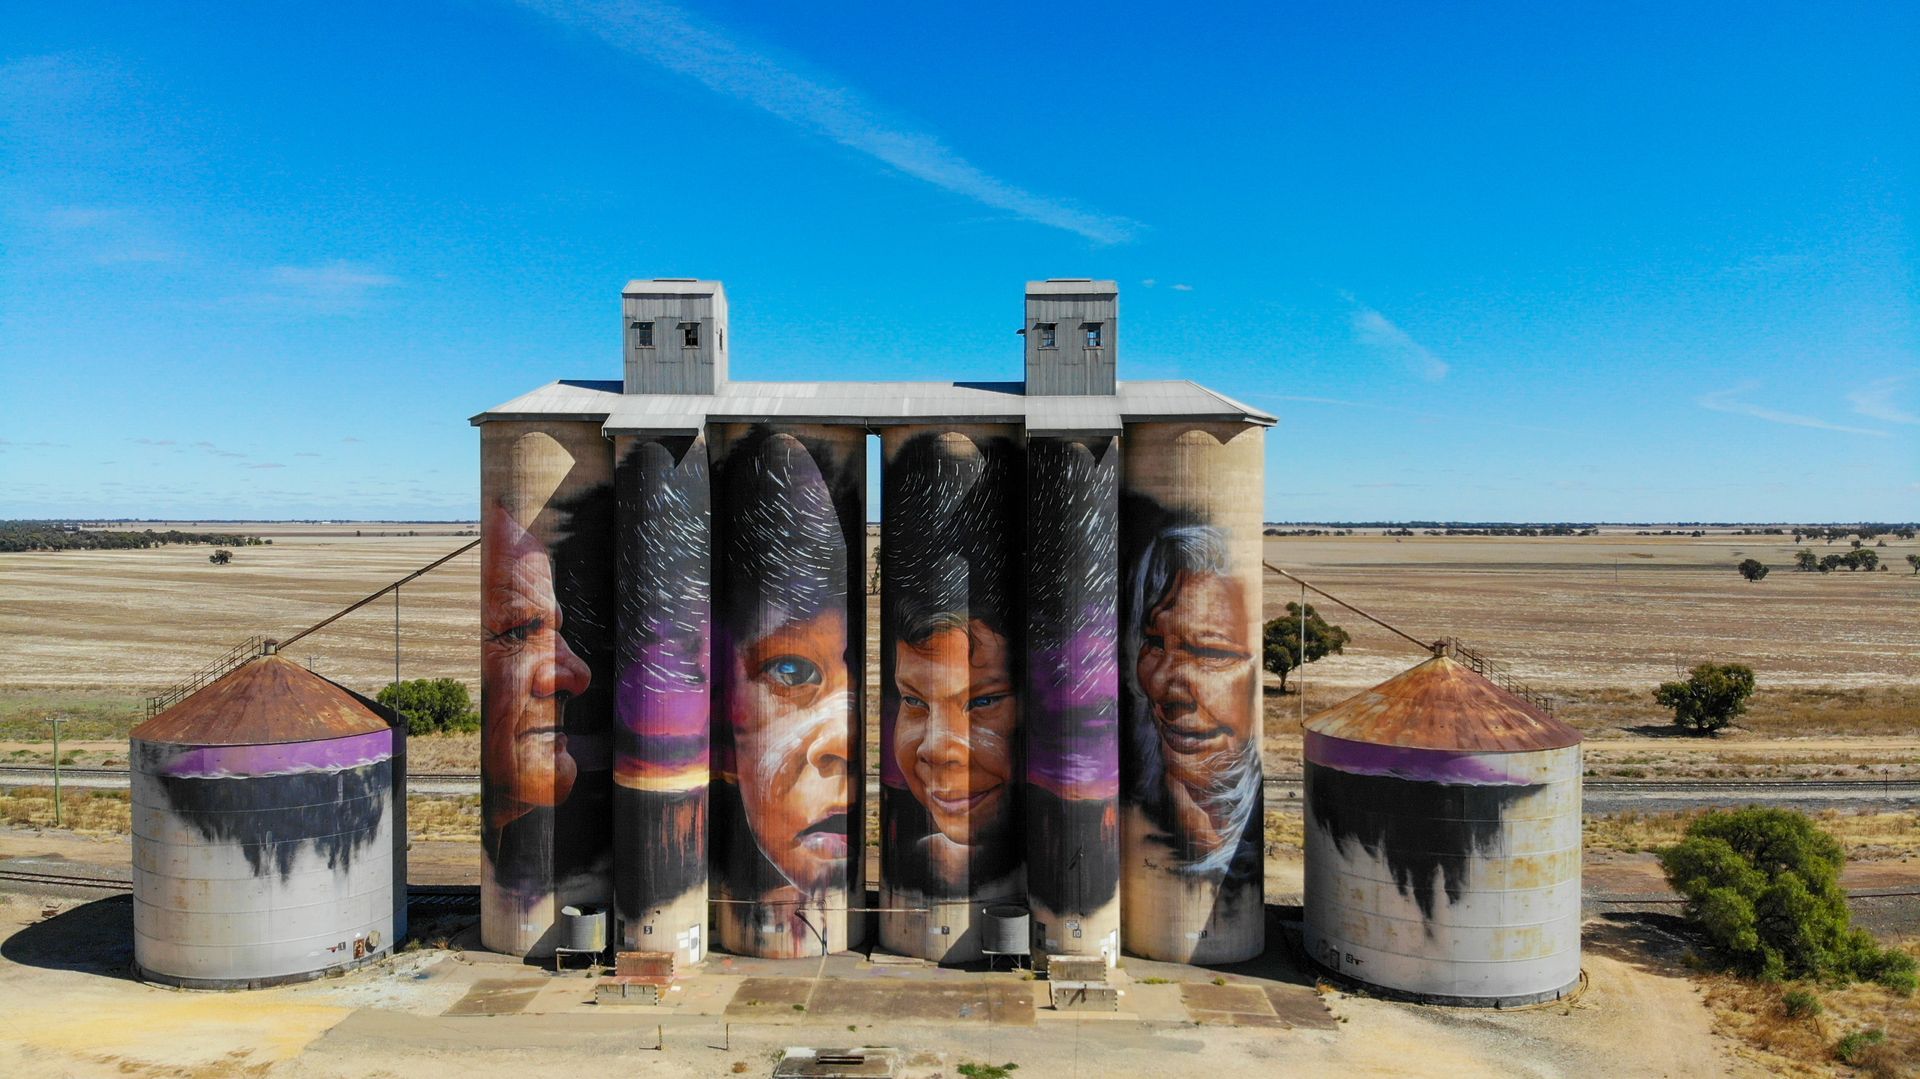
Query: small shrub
432,705
988,1071
1852,1049
1801,1004
1764,886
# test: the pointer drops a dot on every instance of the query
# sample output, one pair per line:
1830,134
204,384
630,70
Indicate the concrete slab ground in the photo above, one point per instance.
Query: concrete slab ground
68,1006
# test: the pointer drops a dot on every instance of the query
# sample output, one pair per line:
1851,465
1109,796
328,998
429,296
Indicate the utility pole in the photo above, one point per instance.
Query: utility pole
56,773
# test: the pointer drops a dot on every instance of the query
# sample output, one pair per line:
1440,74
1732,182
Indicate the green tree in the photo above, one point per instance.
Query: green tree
1752,569
1805,560
1280,641
1764,886
1914,561
1831,562
431,705
220,557
1711,696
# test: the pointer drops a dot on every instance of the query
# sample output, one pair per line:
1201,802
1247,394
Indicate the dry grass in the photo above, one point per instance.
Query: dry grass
438,818
105,812
94,812
1863,835
1754,1015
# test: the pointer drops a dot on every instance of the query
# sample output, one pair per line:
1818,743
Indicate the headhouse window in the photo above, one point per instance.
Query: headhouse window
1047,335
643,333
690,334
1092,330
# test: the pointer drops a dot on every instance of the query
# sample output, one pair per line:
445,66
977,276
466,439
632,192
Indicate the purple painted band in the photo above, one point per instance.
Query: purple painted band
1419,765
286,758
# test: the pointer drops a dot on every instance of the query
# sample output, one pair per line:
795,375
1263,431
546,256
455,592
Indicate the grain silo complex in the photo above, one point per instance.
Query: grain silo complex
268,831
1443,841
1069,706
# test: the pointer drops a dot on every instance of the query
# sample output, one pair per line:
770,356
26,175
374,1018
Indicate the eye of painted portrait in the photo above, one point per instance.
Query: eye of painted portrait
528,673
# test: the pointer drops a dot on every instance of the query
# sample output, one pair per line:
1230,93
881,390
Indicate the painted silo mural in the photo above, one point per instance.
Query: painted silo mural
1073,695
1443,841
950,674
1192,826
546,677
789,625
264,826
661,700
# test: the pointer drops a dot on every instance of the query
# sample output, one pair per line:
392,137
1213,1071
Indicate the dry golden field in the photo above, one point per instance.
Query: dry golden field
1596,621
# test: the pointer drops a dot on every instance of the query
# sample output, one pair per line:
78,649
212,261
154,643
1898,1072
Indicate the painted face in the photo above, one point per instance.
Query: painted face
528,671
954,733
1196,669
789,705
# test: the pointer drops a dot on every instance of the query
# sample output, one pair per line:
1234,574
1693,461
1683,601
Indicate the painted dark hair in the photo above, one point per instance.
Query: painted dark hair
954,537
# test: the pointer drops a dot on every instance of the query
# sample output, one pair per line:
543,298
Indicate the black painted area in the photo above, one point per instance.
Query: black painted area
1419,830
273,817
1080,870
665,833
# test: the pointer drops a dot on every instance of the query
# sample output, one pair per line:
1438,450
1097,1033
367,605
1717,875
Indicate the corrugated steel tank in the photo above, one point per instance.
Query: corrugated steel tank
1443,841
951,653
1073,696
789,637
268,839
1192,857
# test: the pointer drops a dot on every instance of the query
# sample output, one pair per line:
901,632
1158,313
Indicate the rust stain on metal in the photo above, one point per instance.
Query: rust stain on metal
267,701
1443,705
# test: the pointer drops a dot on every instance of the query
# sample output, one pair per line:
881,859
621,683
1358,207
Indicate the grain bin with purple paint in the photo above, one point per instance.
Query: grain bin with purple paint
265,810
1443,841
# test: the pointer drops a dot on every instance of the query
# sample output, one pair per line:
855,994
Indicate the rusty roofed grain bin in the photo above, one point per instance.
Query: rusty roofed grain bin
1443,841
268,844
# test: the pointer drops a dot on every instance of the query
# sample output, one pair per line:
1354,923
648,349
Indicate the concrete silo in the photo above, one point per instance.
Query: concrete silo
789,630
662,700
1191,879
546,677
1073,695
267,832
951,543
1443,841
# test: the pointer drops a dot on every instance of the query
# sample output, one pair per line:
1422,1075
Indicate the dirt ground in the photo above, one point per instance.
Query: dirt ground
1566,613
68,1007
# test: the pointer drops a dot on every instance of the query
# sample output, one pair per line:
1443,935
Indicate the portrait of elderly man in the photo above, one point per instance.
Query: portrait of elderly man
532,674
1193,677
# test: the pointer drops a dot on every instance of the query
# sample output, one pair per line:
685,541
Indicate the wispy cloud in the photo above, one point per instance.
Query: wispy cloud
1726,401
268,464
1875,400
1375,330
673,39
335,284
1183,288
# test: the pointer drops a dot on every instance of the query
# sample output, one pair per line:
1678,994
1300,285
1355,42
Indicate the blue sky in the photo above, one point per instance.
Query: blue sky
1525,262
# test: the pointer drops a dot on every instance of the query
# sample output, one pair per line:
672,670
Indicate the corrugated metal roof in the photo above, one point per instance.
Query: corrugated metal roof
267,701
670,286
875,403
1443,705
1071,286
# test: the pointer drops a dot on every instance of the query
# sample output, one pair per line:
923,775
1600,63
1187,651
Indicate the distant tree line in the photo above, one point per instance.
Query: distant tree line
64,536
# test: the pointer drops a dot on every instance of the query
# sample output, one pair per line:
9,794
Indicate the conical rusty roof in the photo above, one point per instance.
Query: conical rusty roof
1443,705
266,701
